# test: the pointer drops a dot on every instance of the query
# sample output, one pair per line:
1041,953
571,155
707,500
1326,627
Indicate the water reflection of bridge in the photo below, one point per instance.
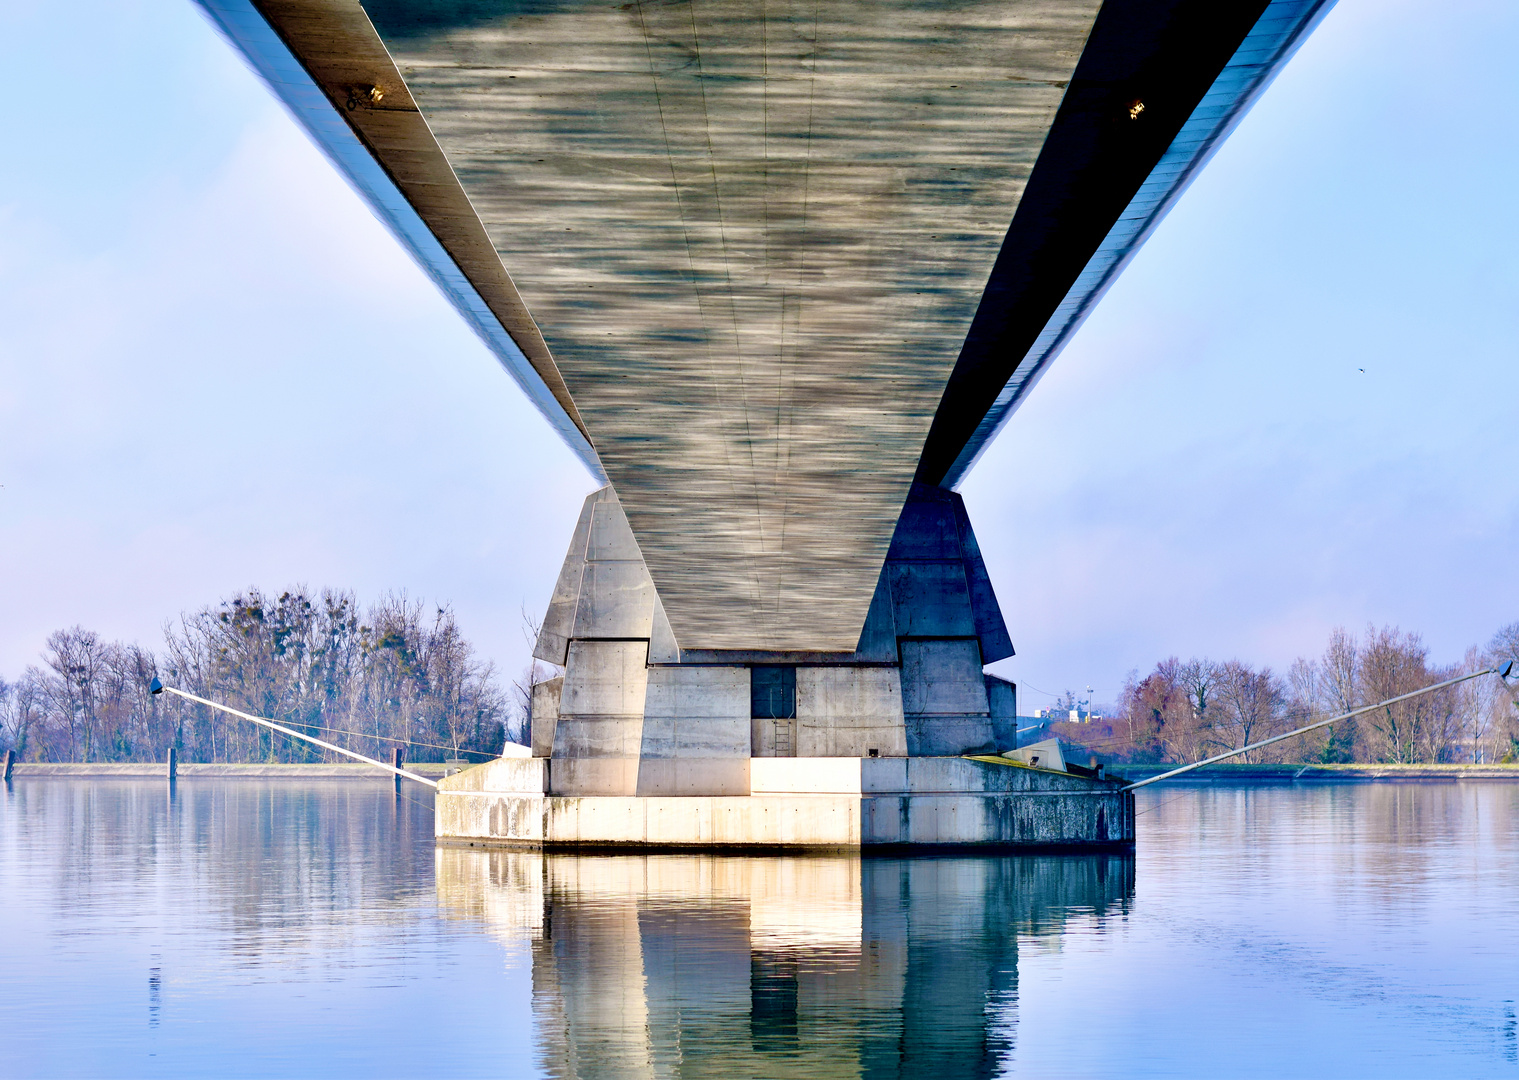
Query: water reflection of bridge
692,966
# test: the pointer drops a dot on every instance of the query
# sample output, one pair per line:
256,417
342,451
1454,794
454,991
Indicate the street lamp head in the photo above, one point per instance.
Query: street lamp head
1505,669
156,686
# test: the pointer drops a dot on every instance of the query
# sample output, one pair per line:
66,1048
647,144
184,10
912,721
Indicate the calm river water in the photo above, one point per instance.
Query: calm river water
285,928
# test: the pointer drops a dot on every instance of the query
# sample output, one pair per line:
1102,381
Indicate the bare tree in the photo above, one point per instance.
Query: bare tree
74,658
1251,705
1153,715
453,677
1339,693
18,712
1194,735
1422,729
1198,678
311,661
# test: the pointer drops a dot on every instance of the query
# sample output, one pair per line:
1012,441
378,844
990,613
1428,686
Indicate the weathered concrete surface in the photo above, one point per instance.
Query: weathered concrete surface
944,698
950,775
517,775
598,737
848,711
693,821
799,802
1002,697
912,776
695,732
1027,818
499,798
545,714
473,815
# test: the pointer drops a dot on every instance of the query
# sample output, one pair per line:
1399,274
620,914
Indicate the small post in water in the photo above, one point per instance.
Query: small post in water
10,763
173,765
396,764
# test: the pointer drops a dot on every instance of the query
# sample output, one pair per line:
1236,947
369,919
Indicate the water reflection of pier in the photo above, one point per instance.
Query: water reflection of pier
695,966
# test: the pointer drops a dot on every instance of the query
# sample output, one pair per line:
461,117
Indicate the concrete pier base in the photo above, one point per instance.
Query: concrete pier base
718,742
797,803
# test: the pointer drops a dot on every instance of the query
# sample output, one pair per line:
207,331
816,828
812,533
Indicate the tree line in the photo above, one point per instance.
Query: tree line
1185,710
397,673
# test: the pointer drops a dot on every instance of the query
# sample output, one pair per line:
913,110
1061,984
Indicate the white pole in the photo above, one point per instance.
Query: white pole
301,735
1502,673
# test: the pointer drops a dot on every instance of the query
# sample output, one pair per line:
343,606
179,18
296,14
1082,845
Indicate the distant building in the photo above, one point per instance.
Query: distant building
1070,716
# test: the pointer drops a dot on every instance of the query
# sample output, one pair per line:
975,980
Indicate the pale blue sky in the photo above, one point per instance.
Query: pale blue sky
216,370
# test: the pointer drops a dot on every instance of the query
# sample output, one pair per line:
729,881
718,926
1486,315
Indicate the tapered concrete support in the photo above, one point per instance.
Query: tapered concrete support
635,716
599,626
936,615
604,591
934,583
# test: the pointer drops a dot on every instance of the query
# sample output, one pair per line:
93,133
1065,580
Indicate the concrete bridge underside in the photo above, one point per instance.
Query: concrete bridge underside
764,265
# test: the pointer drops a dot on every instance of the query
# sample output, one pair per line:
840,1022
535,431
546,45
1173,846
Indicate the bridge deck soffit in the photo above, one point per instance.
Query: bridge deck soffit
767,247
754,237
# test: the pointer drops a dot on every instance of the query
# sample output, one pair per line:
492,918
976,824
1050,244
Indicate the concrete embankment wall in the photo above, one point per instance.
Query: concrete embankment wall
1323,774
157,770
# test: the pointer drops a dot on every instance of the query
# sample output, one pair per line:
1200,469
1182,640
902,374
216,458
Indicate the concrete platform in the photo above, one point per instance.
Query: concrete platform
797,803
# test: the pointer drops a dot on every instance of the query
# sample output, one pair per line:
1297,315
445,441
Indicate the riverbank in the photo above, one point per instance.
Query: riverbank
1323,774
1213,774
157,770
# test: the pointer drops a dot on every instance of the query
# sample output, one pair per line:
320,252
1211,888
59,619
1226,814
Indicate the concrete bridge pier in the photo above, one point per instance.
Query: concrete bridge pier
644,742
